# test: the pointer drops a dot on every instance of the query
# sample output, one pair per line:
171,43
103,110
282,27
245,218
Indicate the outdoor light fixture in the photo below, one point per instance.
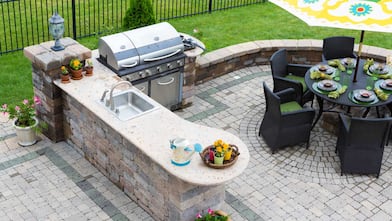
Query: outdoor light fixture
56,29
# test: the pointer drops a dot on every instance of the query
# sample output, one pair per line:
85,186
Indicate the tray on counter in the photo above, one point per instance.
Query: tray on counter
227,163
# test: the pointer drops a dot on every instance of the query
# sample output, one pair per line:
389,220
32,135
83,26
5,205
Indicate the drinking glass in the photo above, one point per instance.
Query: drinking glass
345,80
337,75
369,83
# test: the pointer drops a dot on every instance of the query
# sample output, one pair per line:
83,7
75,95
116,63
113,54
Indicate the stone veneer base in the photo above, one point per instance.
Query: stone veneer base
161,194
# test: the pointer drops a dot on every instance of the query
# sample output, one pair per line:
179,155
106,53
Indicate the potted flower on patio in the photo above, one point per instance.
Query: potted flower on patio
64,75
89,67
25,122
212,215
76,68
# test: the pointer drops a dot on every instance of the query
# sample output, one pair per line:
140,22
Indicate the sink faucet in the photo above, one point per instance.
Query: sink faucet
104,95
111,92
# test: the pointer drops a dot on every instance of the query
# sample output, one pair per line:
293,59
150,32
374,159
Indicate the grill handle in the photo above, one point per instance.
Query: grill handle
166,83
163,57
129,65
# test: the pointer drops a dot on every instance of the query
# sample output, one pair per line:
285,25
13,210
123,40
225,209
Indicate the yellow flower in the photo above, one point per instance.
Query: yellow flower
219,149
225,146
76,63
64,70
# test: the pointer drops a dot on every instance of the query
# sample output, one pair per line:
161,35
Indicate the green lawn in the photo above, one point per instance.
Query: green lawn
217,30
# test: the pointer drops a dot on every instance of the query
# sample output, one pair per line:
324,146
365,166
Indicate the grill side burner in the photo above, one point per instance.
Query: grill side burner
152,58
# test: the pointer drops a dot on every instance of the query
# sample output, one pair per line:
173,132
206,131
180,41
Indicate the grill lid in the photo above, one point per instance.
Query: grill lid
118,51
138,46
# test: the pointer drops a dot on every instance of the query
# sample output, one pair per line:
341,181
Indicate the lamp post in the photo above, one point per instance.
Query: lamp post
56,29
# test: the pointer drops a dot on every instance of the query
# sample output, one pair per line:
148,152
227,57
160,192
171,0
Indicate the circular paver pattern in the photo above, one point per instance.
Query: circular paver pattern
318,164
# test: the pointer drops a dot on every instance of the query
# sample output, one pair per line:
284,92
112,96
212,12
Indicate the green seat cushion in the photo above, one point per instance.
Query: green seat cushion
290,106
299,79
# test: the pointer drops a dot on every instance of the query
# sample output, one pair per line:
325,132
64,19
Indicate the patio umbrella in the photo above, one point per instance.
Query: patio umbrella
371,15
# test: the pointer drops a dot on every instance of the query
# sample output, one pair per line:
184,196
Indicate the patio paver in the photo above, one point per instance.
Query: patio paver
52,181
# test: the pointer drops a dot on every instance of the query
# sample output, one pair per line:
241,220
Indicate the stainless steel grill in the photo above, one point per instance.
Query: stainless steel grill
151,58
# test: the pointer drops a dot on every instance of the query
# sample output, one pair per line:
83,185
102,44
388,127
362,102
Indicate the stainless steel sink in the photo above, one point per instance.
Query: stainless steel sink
129,104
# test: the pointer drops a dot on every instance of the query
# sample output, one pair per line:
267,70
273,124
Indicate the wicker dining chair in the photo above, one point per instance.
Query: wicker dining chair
338,47
287,75
285,121
360,144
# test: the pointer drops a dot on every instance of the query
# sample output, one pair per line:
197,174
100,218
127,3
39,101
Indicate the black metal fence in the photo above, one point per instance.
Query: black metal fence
25,22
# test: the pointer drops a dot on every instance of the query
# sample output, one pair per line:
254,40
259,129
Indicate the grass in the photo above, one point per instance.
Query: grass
218,29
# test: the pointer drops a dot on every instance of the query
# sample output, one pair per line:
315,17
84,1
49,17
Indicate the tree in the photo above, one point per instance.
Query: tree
139,14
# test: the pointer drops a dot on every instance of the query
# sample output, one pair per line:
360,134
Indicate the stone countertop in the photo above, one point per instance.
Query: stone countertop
152,131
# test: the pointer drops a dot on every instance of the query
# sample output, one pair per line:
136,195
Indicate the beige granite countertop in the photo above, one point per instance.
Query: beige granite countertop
152,131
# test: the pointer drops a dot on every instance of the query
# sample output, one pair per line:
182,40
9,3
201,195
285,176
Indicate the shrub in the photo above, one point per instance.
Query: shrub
139,14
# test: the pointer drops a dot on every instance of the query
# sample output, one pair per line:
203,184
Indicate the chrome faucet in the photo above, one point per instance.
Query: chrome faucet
111,92
104,95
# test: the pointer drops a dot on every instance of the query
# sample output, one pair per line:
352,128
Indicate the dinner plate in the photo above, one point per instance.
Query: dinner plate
379,68
364,95
386,85
349,62
326,69
327,85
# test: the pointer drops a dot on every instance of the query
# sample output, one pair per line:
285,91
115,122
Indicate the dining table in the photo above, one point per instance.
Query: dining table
332,81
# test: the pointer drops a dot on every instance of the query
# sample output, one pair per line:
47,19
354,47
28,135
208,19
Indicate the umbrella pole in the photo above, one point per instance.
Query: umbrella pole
359,55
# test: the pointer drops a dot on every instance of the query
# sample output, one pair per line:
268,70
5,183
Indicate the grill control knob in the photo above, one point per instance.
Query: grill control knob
148,73
158,69
128,78
141,74
179,62
169,65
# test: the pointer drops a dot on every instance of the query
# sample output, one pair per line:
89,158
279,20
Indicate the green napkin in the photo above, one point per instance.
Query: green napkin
316,74
384,76
337,63
381,94
369,62
337,93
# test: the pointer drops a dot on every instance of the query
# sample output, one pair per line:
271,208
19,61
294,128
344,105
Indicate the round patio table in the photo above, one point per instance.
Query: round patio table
344,99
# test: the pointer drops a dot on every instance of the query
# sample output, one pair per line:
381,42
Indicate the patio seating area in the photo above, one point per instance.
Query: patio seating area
53,181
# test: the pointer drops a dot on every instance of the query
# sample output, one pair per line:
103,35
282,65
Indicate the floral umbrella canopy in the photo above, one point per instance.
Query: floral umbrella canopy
371,15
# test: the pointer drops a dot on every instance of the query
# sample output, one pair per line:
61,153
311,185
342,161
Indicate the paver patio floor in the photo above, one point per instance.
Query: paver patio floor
52,181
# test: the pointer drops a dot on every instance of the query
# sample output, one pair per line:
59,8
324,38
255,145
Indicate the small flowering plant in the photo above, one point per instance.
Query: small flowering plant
24,112
89,63
221,148
64,70
75,64
212,215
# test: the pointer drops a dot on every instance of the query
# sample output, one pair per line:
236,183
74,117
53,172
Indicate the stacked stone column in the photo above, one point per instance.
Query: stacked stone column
45,70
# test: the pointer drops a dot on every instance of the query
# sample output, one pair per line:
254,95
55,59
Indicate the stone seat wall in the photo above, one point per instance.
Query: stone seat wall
305,51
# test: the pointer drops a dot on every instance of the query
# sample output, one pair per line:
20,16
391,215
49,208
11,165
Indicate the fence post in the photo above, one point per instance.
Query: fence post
73,19
210,6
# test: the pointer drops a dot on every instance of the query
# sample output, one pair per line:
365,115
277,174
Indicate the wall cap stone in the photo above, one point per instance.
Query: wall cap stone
238,50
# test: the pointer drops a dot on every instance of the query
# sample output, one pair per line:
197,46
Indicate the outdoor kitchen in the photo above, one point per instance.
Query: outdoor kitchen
132,148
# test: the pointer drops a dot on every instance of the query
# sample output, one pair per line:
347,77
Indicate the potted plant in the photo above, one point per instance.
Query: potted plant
76,68
222,151
89,67
212,215
64,75
25,122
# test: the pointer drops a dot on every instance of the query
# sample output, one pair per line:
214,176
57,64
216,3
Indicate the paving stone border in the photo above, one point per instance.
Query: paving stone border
72,174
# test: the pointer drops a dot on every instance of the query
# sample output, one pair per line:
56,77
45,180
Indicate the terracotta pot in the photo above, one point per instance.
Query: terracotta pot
89,71
65,79
77,75
27,136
